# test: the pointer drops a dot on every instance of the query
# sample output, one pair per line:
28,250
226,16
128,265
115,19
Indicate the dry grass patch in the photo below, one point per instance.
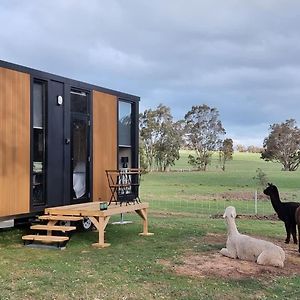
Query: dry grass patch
213,264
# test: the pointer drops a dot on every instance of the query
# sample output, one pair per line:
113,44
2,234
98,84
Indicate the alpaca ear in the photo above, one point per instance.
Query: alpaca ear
233,215
270,184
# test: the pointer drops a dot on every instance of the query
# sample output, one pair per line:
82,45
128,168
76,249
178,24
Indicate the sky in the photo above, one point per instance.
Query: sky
241,57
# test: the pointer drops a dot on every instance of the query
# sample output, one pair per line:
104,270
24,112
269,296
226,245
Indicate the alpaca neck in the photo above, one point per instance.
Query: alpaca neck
275,200
232,229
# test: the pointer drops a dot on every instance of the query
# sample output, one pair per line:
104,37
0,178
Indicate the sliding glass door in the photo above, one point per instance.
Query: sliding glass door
80,150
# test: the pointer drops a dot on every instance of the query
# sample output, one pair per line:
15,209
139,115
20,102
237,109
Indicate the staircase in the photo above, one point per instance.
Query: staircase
50,227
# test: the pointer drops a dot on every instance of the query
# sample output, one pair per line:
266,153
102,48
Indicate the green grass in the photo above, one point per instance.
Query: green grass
129,269
181,204
240,172
211,191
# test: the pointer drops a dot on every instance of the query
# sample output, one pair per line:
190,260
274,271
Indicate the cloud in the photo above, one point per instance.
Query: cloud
240,57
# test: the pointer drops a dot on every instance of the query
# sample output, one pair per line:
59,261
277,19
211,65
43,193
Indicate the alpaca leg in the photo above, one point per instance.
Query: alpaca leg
226,252
268,258
294,233
288,232
299,237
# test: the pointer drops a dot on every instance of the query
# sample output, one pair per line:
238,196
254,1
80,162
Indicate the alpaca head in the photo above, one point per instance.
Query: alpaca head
271,189
230,213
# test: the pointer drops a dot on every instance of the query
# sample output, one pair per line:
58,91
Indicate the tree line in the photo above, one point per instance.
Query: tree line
250,149
201,130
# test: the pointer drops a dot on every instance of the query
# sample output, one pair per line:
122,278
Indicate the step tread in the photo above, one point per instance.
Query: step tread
60,218
53,227
45,238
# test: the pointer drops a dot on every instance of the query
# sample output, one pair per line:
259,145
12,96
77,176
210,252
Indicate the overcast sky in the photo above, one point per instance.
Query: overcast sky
242,57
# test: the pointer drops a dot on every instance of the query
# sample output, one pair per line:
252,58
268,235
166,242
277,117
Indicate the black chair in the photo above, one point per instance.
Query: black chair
124,185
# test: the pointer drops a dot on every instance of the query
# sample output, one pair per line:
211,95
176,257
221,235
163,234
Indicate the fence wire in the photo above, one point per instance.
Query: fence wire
212,207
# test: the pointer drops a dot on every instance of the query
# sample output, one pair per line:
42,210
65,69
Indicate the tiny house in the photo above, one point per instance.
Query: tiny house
57,138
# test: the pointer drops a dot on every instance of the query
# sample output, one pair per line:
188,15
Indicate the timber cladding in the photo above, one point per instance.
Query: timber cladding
105,121
14,142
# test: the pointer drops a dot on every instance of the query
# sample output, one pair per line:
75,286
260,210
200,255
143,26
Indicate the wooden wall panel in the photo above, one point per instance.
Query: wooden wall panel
105,122
14,142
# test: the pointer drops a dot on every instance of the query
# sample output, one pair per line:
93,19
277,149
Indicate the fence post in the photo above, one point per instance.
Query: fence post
255,201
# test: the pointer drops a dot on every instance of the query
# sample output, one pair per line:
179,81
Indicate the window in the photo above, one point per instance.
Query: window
79,102
38,94
125,134
38,167
125,123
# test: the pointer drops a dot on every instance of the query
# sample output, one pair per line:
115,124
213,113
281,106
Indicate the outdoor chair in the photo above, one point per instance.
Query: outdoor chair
124,185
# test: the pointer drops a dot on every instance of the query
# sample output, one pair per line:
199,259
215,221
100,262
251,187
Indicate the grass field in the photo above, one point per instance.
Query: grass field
211,191
131,268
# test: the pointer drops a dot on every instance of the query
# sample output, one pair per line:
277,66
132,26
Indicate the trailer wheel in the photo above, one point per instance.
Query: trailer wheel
86,224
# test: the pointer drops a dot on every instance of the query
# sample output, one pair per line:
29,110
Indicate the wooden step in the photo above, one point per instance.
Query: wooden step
53,227
60,218
45,238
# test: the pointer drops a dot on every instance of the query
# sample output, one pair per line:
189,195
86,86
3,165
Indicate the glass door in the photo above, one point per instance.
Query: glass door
80,150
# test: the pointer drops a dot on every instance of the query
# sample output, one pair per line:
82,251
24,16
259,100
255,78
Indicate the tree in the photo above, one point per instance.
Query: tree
169,139
261,177
142,156
203,130
225,153
283,145
241,148
161,137
180,128
168,146
148,136
254,149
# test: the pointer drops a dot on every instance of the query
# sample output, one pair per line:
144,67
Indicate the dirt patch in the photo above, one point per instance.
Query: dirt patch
226,196
236,194
167,214
243,195
213,264
272,217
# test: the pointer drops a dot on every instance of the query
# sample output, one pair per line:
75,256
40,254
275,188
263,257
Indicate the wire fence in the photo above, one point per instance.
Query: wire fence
213,207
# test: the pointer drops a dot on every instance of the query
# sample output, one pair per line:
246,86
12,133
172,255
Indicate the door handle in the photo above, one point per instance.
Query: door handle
67,141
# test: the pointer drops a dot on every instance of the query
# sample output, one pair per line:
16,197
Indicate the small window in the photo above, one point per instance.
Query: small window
38,94
79,102
125,123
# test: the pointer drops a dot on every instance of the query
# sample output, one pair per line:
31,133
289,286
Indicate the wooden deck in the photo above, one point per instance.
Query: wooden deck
99,217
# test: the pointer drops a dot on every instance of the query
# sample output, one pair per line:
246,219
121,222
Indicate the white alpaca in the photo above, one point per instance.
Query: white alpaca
247,248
